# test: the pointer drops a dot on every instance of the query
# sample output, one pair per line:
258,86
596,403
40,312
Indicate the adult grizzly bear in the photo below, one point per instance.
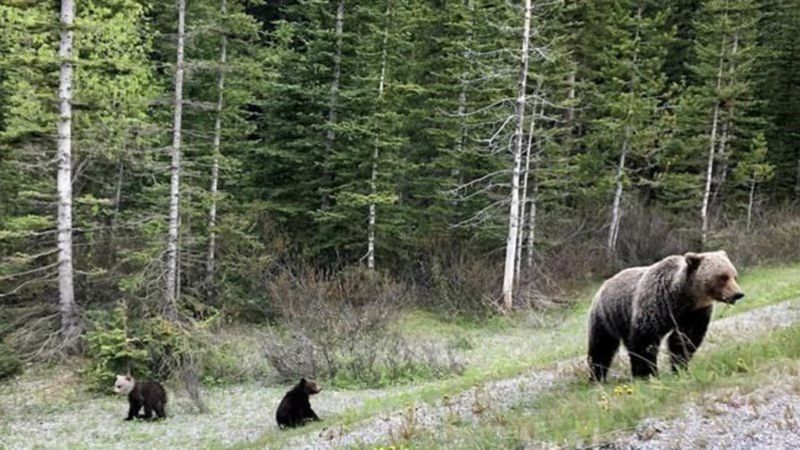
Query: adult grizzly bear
640,305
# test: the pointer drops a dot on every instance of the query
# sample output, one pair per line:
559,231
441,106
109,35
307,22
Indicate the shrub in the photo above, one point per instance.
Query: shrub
337,328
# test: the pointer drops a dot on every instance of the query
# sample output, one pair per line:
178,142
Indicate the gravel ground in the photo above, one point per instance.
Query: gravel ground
499,395
39,414
768,418
52,413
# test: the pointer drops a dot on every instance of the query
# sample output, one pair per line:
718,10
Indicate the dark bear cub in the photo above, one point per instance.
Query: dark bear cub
295,408
148,394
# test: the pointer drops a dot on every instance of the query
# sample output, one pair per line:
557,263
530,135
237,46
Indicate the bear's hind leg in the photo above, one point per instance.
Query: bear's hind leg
159,409
602,348
687,337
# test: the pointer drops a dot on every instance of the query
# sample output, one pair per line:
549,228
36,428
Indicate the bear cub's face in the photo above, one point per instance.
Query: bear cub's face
714,278
123,385
310,387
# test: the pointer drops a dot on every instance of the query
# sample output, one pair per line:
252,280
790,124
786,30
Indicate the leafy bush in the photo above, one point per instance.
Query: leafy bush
10,364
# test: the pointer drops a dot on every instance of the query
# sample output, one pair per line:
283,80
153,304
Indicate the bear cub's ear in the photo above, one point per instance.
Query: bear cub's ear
693,261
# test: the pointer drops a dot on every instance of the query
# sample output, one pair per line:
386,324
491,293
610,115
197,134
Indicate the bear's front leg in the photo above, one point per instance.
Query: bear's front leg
643,350
687,337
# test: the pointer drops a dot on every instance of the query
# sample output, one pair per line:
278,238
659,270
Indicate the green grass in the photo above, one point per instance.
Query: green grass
581,413
504,347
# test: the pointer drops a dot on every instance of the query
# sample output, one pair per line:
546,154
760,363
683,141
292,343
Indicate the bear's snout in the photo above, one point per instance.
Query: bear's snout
736,297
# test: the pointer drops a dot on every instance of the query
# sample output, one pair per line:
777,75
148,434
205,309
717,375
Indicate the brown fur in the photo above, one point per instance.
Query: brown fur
149,395
295,408
640,305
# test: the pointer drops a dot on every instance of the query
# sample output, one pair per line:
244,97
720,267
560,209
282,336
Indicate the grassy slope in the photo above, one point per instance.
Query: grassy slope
585,414
506,347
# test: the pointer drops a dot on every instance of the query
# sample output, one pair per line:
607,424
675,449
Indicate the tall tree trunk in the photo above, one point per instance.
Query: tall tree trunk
525,176
70,326
330,135
613,229
711,153
171,306
212,213
375,153
532,223
513,214
724,130
750,203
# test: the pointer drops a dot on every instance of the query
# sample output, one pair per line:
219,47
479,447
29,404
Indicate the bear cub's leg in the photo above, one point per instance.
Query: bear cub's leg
687,337
602,348
133,411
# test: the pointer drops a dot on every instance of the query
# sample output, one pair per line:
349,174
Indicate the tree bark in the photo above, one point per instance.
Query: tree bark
724,130
70,326
525,176
513,215
171,304
330,135
750,203
613,229
212,213
711,153
375,155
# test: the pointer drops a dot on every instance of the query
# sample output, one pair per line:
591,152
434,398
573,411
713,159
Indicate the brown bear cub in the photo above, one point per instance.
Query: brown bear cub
641,305
295,408
148,394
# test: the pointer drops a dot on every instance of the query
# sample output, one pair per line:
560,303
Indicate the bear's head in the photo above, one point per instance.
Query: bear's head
124,384
712,277
310,387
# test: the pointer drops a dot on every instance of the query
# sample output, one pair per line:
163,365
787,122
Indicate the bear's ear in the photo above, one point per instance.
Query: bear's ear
302,381
693,261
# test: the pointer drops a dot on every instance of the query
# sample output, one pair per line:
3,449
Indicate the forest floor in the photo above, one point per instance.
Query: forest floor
524,386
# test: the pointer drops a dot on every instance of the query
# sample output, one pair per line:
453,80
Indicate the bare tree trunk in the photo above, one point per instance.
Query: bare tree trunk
709,176
532,223
525,175
70,326
330,135
513,215
724,130
613,229
711,153
171,306
375,154
750,203
616,213
212,213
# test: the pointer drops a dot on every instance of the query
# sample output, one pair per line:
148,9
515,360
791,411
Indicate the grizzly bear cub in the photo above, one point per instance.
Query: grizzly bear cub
148,394
641,305
295,408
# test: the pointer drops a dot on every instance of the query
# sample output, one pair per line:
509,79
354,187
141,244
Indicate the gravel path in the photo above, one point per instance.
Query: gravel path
768,418
502,394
